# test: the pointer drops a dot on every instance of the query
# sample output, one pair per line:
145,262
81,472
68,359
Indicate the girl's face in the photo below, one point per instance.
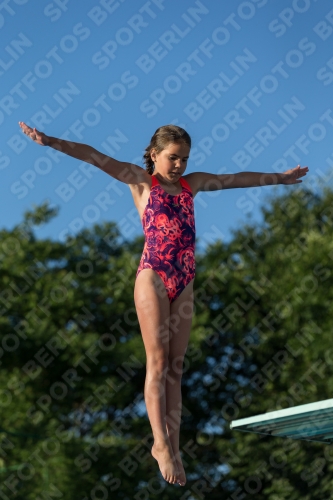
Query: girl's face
171,162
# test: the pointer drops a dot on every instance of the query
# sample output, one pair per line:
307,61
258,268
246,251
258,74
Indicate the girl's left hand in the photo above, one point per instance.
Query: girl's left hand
292,176
34,134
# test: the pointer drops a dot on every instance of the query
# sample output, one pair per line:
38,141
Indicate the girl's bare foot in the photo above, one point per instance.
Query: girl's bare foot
181,470
166,463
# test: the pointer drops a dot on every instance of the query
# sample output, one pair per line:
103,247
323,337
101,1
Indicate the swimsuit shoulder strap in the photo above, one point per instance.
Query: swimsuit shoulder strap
154,181
185,184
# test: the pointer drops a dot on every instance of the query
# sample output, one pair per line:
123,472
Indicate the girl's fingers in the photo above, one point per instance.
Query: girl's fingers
25,128
30,132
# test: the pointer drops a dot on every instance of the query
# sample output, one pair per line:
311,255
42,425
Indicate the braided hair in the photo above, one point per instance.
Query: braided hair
163,136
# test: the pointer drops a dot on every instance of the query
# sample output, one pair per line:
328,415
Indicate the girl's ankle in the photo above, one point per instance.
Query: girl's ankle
161,445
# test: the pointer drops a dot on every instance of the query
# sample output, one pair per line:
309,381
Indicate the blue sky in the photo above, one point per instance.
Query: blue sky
251,81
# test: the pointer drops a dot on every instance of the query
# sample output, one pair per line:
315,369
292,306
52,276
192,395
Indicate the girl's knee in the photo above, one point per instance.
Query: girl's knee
157,365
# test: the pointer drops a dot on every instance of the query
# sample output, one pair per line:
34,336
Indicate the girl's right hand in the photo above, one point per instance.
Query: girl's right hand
34,134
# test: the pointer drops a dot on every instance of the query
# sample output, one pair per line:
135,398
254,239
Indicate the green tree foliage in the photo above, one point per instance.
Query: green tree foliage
73,422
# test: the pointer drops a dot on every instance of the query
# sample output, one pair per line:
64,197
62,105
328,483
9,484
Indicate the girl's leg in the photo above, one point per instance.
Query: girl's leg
153,309
180,326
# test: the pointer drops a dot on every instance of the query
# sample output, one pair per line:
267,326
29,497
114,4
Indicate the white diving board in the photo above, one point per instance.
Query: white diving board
310,422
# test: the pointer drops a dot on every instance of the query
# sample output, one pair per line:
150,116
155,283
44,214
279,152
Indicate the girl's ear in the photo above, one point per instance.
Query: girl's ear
153,154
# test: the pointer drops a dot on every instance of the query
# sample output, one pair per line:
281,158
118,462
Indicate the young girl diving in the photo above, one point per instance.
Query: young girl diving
163,290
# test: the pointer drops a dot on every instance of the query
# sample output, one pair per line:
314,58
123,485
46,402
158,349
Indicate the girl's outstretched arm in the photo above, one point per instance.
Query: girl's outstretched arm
203,181
122,171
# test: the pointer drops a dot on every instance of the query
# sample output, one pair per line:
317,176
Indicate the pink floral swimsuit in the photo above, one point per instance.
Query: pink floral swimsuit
169,228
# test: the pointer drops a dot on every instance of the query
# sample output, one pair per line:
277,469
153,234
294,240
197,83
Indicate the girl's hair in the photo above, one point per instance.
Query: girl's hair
162,137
